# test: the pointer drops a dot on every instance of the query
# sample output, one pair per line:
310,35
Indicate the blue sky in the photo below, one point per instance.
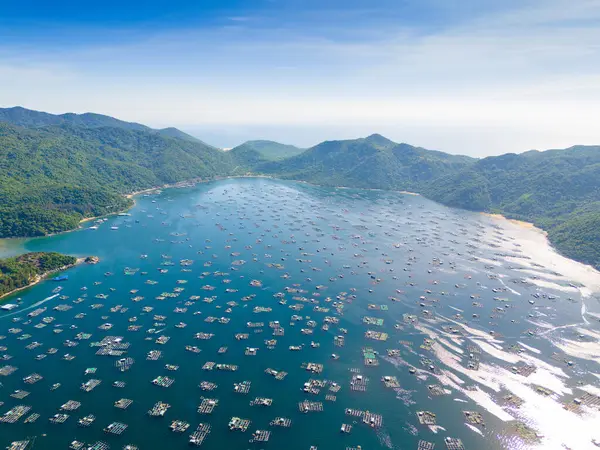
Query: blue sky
472,76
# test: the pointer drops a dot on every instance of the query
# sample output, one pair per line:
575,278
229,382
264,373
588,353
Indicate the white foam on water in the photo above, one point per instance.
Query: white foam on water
595,315
35,305
531,349
543,413
490,262
507,286
584,350
474,428
436,428
496,352
583,311
534,244
541,324
551,285
590,333
451,346
473,331
548,417
591,389
484,400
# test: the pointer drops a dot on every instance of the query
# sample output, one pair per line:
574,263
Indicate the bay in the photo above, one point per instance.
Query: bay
432,268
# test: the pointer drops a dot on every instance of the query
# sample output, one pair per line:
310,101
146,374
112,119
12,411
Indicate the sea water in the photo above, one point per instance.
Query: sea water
455,277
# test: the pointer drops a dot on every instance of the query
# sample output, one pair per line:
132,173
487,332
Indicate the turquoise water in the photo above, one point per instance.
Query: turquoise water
383,248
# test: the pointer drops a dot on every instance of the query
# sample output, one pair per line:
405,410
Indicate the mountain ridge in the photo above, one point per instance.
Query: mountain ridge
269,150
20,116
56,171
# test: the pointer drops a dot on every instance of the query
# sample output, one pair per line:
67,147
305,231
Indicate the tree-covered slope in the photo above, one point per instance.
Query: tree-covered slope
372,162
23,117
51,177
29,118
558,190
55,170
269,150
21,270
176,133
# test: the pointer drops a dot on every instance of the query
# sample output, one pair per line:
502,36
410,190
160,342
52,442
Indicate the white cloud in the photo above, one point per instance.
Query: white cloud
528,77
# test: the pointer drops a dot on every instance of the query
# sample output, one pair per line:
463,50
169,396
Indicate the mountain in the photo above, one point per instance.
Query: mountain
372,162
53,176
57,169
24,270
35,119
558,190
30,118
269,150
175,133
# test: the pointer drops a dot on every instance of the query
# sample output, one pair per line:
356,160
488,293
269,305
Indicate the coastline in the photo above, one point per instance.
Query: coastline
42,277
194,181
534,243
520,223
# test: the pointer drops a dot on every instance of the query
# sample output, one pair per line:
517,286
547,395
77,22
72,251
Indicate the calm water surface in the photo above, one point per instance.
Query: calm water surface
355,253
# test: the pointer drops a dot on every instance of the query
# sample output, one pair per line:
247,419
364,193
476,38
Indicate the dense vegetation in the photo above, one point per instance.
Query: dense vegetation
52,176
269,150
55,170
34,119
558,190
372,162
19,271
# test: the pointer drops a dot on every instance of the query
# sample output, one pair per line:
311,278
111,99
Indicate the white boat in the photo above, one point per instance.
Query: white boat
9,307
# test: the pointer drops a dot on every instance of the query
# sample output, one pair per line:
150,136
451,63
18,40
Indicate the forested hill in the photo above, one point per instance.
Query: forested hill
268,150
53,176
558,190
372,162
56,170
20,271
32,119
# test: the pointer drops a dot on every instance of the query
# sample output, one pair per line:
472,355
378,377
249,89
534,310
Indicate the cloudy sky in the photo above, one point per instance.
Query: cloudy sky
477,77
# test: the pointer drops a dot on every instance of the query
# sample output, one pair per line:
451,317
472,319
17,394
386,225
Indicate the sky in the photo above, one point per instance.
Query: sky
476,77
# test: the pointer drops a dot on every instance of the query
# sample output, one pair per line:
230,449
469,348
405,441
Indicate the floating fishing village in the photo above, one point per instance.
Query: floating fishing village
259,314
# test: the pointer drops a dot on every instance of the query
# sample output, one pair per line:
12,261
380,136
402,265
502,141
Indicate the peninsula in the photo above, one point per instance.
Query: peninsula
26,270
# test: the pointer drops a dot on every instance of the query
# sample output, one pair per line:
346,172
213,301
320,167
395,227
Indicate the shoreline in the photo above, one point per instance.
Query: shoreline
194,181
521,223
39,278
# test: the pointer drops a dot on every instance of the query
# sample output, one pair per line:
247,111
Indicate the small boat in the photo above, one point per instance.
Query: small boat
61,278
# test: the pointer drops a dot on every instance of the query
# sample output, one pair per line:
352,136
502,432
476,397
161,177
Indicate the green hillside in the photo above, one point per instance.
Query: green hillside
175,133
28,118
51,177
372,162
56,170
269,150
558,190
21,270
35,119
